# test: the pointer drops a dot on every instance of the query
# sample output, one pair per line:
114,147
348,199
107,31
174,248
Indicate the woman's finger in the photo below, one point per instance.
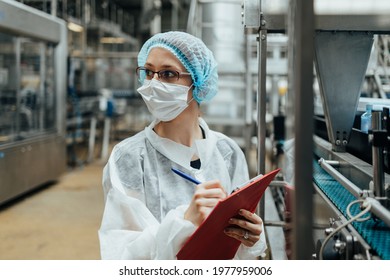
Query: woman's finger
252,217
244,236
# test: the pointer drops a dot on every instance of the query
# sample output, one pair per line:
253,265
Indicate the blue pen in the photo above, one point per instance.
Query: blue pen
186,176
192,179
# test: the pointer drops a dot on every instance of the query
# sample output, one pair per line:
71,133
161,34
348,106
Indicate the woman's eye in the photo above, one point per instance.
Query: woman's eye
149,72
168,74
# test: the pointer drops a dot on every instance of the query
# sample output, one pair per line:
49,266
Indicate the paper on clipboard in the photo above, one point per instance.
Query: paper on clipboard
209,242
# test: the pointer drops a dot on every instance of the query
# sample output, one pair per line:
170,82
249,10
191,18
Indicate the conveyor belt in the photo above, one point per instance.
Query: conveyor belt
375,233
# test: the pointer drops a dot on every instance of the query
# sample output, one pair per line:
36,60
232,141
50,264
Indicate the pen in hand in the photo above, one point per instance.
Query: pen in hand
186,176
192,179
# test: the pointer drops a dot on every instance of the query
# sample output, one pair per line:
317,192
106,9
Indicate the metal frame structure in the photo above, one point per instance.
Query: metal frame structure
307,23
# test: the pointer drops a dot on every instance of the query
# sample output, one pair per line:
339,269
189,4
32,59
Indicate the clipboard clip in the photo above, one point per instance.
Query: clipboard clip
247,183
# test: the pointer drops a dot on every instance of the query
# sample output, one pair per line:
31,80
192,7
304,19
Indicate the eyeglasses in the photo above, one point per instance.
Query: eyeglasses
168,76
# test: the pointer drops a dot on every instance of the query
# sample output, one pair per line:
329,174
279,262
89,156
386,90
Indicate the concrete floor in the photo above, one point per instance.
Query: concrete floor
58,222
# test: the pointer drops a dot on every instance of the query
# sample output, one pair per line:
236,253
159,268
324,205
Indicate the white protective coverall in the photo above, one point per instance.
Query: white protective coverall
145,201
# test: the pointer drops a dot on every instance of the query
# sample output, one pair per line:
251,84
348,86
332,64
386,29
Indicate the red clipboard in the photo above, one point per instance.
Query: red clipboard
209,242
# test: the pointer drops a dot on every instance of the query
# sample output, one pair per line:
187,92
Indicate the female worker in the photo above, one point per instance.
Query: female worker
149,211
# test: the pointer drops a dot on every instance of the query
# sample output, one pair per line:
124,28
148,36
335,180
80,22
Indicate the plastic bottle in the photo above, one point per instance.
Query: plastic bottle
365,119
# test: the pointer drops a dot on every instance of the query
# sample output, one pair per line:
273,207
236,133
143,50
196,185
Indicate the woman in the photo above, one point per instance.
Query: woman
150,211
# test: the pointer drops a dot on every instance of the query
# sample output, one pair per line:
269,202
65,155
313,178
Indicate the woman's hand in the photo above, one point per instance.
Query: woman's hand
205,198
247,229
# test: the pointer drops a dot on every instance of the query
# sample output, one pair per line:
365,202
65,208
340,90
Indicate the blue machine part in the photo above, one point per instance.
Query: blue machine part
375,232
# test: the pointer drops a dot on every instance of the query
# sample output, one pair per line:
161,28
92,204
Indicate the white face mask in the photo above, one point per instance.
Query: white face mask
165,101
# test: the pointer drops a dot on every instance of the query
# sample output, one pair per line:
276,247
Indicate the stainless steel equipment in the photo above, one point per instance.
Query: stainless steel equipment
341,35
218,23
33,53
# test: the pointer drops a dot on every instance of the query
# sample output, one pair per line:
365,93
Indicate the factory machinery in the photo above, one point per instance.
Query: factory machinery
340,194
32,99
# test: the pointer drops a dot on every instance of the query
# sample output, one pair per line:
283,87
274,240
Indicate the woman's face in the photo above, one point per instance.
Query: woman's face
162,59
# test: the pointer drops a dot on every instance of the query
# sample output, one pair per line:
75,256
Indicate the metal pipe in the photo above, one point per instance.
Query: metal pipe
284,224
261,101
301,23
18,78
334,163
261,107
248,96
54,8
380,211
351,187
41,93
275,223
92,137
106,138
377,158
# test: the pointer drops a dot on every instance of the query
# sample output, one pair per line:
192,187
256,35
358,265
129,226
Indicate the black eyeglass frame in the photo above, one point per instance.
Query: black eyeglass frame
159,73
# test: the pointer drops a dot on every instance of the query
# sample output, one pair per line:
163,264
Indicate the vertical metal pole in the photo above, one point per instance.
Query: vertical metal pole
106,138
302,21
175,14
377,158
248,97
54,8
65,9
261,107
42,101
91,141
18,78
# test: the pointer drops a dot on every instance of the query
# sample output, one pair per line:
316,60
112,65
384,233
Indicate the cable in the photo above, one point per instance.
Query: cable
365,204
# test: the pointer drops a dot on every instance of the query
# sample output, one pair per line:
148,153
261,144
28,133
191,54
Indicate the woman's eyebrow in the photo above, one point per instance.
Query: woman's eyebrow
166,66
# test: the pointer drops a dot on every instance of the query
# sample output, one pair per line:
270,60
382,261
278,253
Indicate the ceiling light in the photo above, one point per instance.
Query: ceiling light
112,40
75,27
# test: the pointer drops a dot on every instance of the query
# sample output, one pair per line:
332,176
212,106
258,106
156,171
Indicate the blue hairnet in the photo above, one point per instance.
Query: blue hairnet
197,59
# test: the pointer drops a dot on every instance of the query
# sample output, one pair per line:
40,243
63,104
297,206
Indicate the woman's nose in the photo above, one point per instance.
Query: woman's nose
154,76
